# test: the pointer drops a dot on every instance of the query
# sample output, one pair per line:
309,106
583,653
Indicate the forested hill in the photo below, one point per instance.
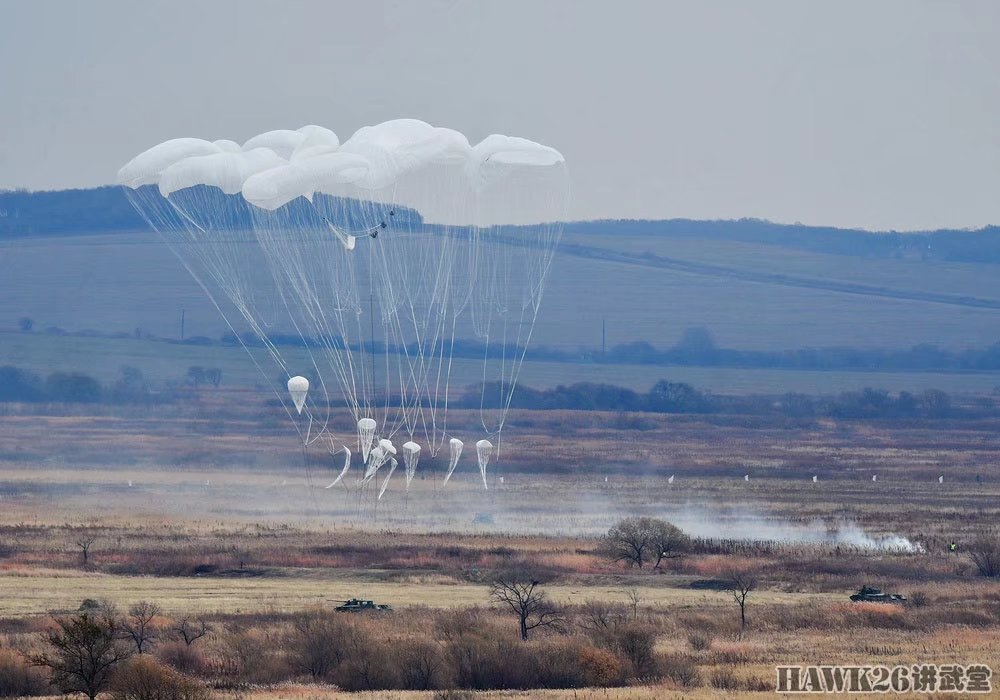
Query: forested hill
107,210
97,210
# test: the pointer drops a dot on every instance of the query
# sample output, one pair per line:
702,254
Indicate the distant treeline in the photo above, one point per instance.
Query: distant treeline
21,385
107,209
24,386
678,397
696,349
980,245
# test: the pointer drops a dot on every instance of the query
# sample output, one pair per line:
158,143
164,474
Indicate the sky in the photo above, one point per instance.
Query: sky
862,113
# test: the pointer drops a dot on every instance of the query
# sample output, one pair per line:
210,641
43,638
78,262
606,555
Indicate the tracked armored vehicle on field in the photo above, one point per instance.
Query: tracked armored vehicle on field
869,594
358,605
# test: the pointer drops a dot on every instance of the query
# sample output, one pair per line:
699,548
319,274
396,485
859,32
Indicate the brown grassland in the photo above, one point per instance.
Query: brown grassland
208,509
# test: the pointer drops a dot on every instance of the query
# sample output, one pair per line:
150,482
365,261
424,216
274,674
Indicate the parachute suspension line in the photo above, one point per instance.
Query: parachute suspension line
225,318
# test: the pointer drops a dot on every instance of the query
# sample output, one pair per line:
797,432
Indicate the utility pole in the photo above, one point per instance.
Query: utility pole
604,336
182,324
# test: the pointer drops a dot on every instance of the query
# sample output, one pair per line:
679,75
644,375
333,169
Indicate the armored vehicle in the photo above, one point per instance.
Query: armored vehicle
868,594
358,605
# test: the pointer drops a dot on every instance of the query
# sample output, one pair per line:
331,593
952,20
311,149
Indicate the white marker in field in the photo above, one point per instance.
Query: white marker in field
671,479
815,478
746,477
874,477
941,479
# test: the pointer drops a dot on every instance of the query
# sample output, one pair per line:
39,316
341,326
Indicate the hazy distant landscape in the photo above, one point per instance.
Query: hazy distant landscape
749,285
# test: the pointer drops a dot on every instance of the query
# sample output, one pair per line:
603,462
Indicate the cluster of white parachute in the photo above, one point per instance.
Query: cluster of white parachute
388,256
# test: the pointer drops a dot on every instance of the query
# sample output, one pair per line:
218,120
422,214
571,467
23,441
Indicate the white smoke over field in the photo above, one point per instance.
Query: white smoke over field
748,525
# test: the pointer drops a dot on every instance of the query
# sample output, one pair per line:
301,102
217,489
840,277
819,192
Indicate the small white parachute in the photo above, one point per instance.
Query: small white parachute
343,472
366,434
411,455
298,387
484,450
376,458
455,452
385,484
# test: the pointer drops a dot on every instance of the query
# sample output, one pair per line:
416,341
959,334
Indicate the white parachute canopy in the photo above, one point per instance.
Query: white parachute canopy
376,458
145,168
298,388
411,455
455,452
347,465
484,450
366,434
385,484
387,447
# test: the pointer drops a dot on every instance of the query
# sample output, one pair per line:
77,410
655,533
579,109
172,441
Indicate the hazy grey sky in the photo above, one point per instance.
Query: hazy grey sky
882,114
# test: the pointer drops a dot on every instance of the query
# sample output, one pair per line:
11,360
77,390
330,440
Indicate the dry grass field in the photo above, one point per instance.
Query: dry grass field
207,509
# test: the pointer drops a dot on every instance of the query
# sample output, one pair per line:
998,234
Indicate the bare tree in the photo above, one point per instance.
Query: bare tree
668,542
741,583
84,653
85,543
138,625
189,632
985,554
637,541
519,591
633,598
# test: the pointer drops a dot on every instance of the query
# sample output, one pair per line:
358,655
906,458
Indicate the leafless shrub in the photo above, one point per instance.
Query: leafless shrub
318,643
182,657
985,554
370,666
634,642
725,679
145,678
18,678
681,669
422,665
246,657
601,668
700,641
596,616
